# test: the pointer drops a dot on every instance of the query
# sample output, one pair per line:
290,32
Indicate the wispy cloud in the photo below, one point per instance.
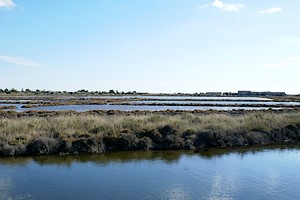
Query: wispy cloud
230,7
19,61
7,4
204,6
295,41
284,64
270,11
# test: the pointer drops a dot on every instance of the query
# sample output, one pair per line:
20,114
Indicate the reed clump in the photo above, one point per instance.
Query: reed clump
95,134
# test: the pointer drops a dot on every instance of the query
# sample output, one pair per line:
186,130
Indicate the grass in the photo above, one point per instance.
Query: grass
70,126
209,130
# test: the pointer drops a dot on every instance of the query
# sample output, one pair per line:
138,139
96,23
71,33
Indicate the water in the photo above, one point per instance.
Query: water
29,98
33,98
83,108
15,101
178,97
212,174
217,102
266,103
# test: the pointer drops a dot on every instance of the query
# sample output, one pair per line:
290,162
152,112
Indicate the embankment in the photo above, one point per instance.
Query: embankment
89,133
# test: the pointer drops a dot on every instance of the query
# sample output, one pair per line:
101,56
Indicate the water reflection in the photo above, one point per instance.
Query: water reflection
223,187
5,187
167,157
177,192
259,173
271,182
7,190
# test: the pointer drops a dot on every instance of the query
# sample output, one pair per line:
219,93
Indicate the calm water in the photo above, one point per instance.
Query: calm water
180,97
221,102
83,108
29,98
216,101
254,174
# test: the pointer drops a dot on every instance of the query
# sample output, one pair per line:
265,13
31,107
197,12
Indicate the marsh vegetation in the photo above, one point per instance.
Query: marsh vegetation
72,133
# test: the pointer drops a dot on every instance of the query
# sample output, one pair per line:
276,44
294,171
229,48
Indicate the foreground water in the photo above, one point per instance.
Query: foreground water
211,174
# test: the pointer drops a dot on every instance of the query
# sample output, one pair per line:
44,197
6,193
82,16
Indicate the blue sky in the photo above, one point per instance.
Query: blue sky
150,45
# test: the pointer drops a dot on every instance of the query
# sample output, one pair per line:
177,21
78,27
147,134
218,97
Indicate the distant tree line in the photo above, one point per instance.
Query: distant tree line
86,92
116,92
81,91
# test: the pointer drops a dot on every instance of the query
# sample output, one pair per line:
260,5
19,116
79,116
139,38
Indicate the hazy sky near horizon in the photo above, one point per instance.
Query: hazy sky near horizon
150,45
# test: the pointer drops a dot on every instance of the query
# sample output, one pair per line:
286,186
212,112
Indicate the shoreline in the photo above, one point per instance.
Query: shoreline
150,155
62,133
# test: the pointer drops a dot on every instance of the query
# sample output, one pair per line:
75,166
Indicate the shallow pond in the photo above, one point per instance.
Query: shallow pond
266,103
211,174
83,108
217,102
180,97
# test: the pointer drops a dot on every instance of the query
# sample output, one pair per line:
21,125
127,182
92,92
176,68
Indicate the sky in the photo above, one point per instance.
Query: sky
150,45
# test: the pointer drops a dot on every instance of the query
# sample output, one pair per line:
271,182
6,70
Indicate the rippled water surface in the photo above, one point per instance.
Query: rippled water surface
211,174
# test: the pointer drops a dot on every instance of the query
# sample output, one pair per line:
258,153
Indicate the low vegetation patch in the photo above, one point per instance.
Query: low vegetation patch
7,107
88,133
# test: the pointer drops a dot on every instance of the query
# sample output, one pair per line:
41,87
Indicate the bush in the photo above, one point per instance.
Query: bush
90,145
42,146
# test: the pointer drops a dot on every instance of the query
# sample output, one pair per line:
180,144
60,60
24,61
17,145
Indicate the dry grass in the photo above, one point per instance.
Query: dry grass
26,129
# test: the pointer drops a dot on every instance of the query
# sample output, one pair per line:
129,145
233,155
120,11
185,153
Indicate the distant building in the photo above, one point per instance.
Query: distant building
266,93
278,94
244,92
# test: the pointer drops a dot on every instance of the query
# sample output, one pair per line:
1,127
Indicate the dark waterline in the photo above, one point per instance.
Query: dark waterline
211,174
